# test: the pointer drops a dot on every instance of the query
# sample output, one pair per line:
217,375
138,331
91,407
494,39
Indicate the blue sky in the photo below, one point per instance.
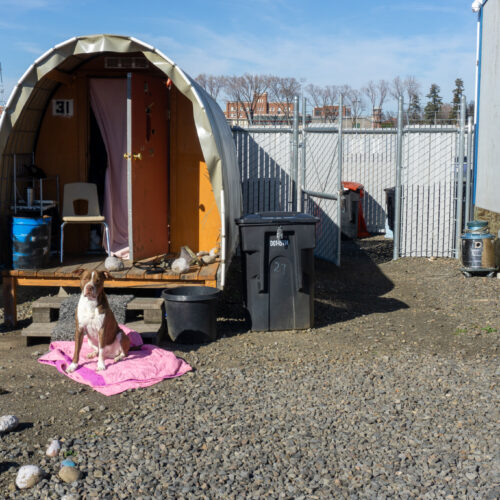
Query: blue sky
322,42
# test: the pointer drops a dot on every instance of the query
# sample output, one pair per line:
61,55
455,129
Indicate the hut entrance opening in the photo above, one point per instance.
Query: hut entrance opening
117,136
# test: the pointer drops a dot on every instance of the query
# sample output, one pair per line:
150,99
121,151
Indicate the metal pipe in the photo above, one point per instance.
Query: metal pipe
14,187
295,152
397,191
129,167
340,159
263,130
223,239
348,131
460,179
316,194
470,160
423,130
303,155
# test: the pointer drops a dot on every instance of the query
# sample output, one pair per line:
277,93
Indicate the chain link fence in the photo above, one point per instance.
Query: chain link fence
430,168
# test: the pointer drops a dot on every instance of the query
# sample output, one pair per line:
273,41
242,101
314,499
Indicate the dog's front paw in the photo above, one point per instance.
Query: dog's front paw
72,367
100,367
92,355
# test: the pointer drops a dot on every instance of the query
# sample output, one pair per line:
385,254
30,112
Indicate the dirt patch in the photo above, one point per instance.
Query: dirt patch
371,306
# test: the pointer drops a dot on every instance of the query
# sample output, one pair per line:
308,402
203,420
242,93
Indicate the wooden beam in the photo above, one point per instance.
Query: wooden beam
146,283
59,76
10,300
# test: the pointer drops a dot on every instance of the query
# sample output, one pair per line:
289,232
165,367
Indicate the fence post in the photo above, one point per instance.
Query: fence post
303,156
295,152
340,159
397,190
470,159
460,178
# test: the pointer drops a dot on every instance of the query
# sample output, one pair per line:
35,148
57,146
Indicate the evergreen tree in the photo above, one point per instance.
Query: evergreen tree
457,97
433,106
414,108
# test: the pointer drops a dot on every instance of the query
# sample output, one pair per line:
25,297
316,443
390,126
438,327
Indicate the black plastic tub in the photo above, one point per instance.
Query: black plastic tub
191,312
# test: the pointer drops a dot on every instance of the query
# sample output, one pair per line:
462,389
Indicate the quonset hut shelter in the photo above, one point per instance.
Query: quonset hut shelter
115,111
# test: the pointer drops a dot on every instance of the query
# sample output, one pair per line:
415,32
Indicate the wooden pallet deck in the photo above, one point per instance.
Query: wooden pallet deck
143,274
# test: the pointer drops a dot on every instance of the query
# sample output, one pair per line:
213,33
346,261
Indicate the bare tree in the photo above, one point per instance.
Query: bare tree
325,99
213,84
397,88
345,91
246,91
283,90
371,91
412,87
383,90
355,100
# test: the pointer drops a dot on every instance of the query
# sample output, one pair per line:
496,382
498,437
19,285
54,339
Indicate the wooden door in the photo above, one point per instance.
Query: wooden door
147,172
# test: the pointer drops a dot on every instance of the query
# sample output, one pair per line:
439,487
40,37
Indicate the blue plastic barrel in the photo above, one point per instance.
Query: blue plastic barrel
30,242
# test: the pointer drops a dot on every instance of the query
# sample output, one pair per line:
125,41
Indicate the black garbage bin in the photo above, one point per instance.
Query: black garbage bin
278,268
191,312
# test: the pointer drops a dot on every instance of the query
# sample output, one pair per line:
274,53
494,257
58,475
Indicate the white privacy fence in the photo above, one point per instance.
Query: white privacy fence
298,168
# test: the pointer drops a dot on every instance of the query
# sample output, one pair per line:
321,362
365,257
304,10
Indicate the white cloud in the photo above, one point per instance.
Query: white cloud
324,59
30,48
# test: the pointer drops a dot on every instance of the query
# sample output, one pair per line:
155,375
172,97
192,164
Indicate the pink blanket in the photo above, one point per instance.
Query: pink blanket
141,368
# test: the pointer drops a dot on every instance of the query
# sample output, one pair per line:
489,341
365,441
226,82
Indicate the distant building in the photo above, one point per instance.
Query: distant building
265,112
329,113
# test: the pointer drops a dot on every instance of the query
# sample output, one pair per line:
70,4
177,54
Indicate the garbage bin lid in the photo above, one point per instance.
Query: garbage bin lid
274,218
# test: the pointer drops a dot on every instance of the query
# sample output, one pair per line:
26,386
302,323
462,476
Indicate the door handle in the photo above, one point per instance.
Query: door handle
137,156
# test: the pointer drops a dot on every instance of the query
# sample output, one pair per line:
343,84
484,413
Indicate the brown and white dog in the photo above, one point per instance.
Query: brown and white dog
95,318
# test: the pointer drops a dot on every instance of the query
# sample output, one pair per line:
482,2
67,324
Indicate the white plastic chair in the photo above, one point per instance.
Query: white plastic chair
84,191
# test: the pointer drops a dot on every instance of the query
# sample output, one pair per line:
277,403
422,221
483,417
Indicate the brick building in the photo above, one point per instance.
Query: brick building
265,112
329,113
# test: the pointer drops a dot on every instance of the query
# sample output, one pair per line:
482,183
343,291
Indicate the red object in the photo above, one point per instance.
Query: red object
358,188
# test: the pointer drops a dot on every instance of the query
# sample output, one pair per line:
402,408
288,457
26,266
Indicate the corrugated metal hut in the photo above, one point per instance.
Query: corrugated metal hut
169,149
116,111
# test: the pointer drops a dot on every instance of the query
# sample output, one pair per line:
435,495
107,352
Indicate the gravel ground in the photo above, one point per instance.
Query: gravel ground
393,394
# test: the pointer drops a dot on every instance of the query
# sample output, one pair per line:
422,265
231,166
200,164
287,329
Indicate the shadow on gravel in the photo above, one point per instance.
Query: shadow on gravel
341,294
21,427
356,287
5,466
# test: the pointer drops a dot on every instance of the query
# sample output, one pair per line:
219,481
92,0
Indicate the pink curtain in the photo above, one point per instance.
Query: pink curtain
108,98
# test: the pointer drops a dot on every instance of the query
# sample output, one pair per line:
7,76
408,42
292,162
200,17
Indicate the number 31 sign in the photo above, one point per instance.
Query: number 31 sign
62,107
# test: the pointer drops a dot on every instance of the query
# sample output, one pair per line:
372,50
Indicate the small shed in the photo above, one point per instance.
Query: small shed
116,111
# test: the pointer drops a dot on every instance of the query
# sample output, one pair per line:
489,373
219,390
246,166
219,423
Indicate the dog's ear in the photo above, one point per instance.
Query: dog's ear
78,272
107,275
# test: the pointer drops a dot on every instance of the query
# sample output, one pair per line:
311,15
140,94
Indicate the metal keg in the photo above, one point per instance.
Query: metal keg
477,247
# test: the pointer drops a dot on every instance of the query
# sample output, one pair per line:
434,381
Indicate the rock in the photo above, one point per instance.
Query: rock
85,409
113,264
180,265
208,259
53,449
28,476
69,474
68,463
8,423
